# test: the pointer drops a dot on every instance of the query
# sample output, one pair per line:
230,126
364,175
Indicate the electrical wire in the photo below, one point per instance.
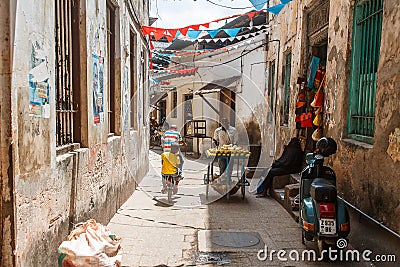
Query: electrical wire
211,2
219,64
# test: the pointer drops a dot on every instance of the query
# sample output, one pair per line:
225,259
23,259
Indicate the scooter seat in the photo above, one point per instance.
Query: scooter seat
323,190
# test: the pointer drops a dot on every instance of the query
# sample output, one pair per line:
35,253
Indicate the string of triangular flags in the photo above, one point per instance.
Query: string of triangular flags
182,71
182,53
166,71
237,38
192,31
166,54
232,33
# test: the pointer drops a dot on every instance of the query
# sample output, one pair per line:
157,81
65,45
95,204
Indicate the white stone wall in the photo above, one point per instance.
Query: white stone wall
52,192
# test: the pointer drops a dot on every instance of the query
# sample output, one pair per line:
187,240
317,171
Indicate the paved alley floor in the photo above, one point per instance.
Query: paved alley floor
157,234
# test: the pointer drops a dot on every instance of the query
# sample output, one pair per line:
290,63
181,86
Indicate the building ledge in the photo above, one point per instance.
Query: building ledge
357,143
67,148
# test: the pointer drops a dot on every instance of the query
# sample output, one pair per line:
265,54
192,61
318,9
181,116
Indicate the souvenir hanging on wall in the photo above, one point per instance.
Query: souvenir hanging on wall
317,134
306,120
319,95
312,71
301,104
319,76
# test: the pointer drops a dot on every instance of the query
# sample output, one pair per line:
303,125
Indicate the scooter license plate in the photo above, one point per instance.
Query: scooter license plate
327,226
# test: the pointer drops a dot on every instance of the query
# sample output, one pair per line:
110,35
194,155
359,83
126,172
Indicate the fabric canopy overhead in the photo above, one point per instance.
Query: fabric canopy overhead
157,97
217,85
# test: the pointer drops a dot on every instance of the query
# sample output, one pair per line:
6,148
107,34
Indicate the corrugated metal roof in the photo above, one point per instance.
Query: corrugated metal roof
217,85
156,97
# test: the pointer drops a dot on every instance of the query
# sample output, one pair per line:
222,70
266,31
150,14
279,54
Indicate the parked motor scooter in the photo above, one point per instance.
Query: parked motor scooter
323,216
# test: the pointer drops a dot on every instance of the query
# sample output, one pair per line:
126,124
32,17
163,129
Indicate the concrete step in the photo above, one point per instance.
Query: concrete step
295,215
279,195
285,189
292,190
295,178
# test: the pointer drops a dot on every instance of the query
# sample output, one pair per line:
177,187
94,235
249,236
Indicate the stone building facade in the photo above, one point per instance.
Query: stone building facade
361,92
73,125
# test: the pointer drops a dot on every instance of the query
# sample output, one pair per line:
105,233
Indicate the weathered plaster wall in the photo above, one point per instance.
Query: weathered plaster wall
96,41
7,207
53,192
368,176
287,27
38,199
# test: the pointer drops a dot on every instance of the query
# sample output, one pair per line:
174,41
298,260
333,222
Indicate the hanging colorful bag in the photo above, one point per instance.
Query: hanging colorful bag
317,134
318,120
306,120
319,96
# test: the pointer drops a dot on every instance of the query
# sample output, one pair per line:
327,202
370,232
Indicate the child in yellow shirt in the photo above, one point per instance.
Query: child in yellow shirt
170,162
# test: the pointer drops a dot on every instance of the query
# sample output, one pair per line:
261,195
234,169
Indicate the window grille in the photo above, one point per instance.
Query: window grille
134,86
64,89
365,58
174,104
286,87
272,90
111,67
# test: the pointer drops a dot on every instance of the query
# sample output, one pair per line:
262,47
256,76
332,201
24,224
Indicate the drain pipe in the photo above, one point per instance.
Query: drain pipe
380,224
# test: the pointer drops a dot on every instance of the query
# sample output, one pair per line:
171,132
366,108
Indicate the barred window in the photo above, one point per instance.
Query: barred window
111,67
271,90
365,58
65,106
134,86
174,104
286,88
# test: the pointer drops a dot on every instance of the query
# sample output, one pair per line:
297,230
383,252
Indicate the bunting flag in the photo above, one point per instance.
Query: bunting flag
193,34
148,30
276,9
212,33
182,53
193,31
238,38
232,32
182,71
258,4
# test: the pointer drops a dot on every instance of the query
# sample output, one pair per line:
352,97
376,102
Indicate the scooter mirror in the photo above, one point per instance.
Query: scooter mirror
309,157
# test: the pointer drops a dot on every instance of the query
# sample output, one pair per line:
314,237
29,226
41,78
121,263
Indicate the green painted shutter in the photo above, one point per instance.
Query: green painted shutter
286,95
365,58
272,88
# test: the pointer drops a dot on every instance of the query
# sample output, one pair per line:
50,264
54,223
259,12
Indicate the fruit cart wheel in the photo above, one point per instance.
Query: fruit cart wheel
243,188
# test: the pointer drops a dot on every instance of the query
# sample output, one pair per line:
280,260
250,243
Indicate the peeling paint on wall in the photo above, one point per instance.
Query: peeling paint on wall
39,87
394,145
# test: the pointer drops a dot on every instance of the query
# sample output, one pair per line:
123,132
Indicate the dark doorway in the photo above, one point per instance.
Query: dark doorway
162,112
227,105
188,107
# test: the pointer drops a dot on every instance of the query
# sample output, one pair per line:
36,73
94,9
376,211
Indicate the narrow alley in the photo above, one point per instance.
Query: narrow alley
156,233
166,133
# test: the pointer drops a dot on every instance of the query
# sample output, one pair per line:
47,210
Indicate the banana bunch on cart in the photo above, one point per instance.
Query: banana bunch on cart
228,151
